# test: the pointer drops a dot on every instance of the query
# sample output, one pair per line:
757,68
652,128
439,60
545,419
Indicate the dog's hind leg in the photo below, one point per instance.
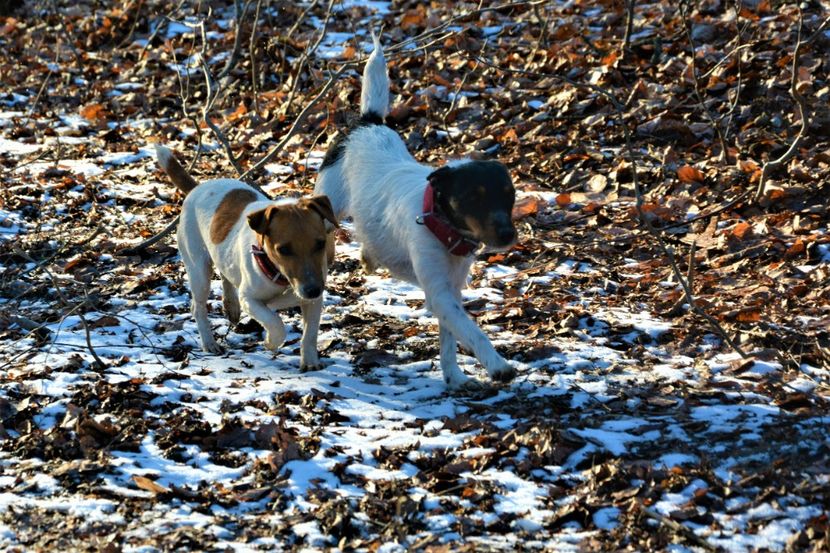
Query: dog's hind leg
230,302
330,182
369,265
199,271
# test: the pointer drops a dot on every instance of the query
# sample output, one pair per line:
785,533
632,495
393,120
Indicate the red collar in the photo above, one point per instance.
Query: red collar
267,266
455,242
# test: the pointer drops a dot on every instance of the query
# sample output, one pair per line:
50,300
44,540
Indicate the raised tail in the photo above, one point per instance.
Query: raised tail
178,174
374,98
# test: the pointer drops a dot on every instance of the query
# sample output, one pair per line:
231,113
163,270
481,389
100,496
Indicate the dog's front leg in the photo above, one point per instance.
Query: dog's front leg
453,375
270,321
309,360
451,315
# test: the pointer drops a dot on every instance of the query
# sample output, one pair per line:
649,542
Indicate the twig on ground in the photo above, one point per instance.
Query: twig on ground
677,308
458,93
687,26
212,94
252,54
100,364
162,22
629,27
448,23
687,534
133,250
725,119
304,59
45,80
801,105
43,262
127,39
184,93
241,11
543,32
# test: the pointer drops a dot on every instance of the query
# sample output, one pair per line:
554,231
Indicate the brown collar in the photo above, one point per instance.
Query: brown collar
269,270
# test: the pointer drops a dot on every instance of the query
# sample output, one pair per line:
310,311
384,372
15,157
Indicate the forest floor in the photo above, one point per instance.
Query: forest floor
638,421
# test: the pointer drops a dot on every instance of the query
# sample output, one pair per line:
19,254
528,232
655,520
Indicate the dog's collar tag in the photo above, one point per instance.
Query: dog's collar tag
455,242
267,266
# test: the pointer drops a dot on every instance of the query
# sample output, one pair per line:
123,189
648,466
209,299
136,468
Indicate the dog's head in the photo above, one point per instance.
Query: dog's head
477,197
296,238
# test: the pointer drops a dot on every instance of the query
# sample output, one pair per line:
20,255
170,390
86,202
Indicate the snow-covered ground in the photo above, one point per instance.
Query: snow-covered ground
607,415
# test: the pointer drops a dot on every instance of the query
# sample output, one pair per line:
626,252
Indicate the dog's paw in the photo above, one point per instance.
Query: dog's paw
306,366
274,340
210,346
457,381
504,373
472,387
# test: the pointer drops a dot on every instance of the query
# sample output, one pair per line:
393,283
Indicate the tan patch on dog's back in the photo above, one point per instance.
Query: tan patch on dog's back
228,212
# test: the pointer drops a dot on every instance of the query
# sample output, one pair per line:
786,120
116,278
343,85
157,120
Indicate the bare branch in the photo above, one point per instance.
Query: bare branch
301,64
686,534
801,106
210,99
241,11
299,119
152,240
629,27
252,54
687,26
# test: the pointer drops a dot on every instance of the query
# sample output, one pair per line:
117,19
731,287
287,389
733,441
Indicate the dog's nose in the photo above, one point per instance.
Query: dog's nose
312,291
506,235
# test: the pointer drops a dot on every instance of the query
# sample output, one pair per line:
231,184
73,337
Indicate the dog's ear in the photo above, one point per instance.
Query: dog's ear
322,205
258,220
440,178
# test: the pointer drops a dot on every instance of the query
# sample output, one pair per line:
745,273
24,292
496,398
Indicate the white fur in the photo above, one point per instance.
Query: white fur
374,96
245,287
381,186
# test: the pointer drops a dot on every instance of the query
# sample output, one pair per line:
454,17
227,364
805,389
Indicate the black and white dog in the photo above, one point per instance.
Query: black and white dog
423,224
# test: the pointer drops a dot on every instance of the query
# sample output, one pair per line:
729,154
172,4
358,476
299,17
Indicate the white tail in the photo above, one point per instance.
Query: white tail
178,174
374,98
163,156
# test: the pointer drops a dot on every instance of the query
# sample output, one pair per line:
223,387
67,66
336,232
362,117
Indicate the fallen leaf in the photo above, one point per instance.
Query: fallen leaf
741,230
149,485
796,249
687,173
94,113
527,206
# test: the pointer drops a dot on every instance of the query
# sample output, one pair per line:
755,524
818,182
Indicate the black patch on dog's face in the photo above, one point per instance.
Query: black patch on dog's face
338,146
477,197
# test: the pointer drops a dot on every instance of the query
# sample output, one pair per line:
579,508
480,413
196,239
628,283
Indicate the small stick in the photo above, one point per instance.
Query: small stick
801,104
686,533
252,53
629,27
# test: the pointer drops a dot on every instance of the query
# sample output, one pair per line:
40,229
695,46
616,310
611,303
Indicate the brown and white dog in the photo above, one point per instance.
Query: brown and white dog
270,254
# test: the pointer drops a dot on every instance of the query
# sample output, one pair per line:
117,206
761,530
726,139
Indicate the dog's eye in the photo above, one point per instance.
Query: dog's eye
319,245
285,250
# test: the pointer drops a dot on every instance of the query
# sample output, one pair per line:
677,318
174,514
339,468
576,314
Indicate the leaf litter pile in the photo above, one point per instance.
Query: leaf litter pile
638,421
